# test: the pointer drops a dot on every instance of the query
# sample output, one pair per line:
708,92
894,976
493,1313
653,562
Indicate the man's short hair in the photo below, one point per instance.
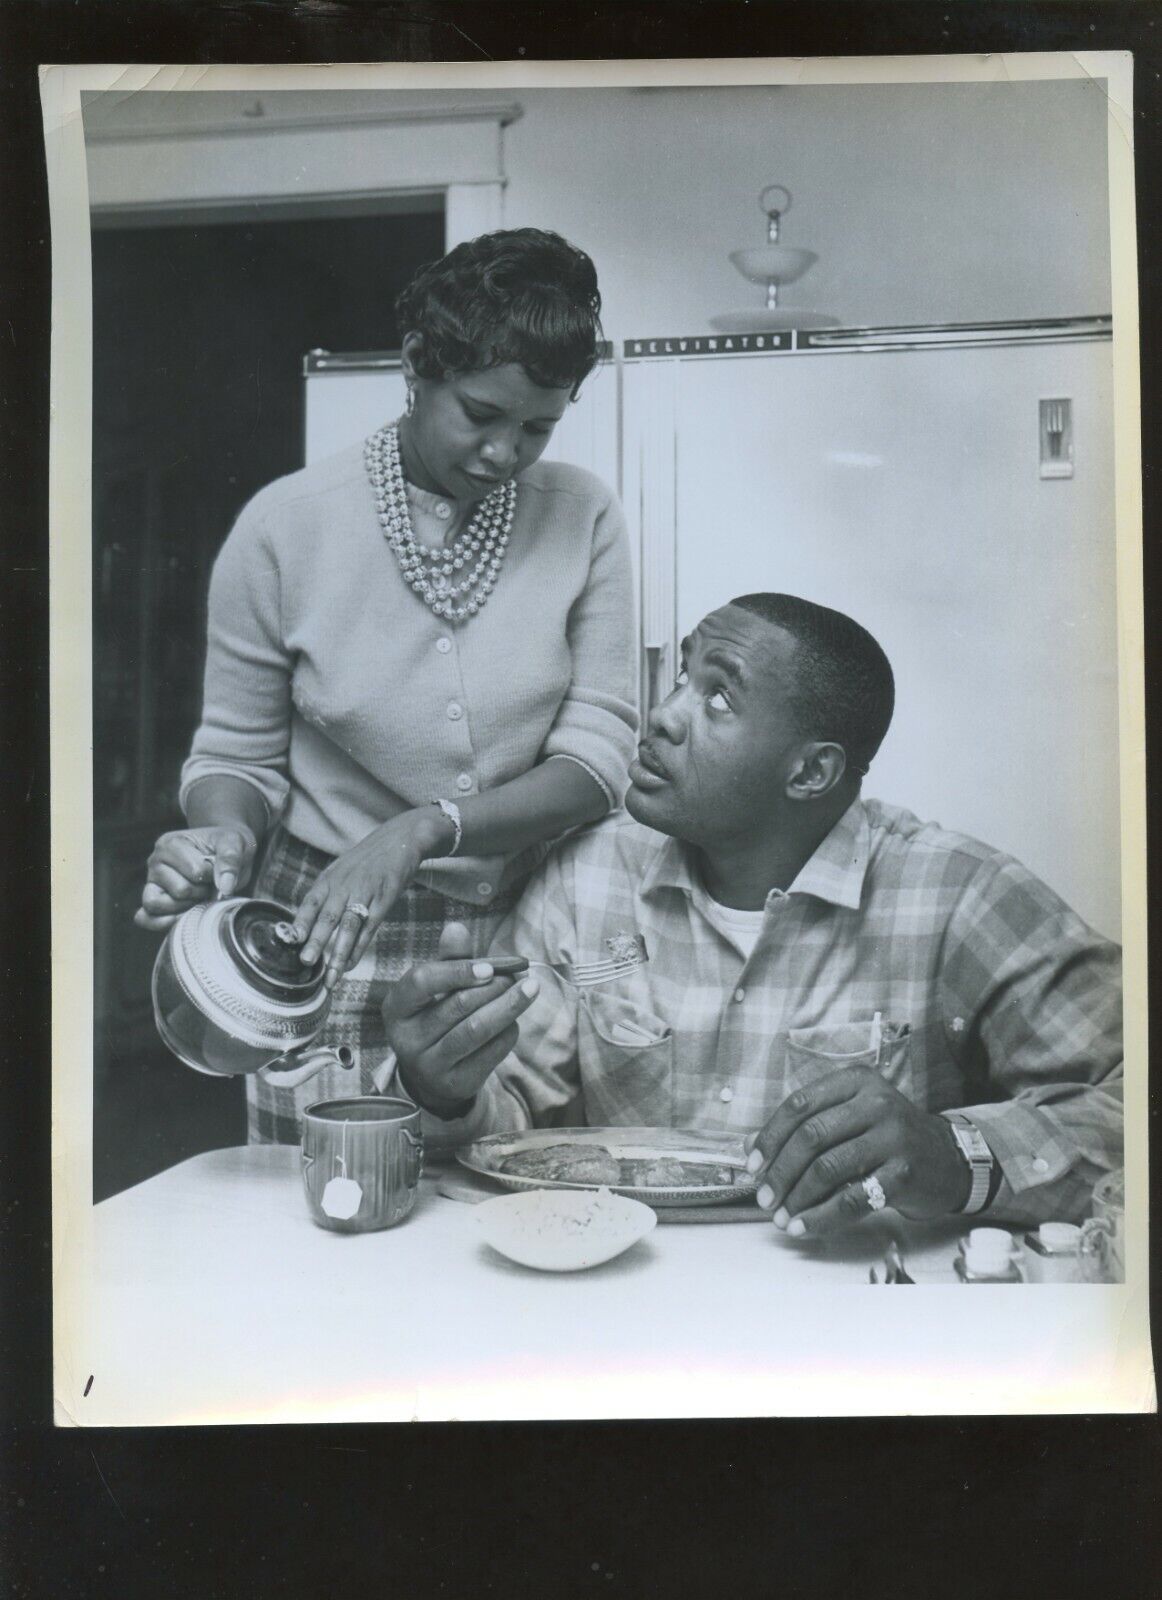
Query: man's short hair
844,691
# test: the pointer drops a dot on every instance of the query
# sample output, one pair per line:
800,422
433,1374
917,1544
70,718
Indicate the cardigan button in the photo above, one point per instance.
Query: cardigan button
464,782
484,888
443,644
455,711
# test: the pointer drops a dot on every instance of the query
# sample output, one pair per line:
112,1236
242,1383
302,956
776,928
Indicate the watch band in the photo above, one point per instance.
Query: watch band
981,1161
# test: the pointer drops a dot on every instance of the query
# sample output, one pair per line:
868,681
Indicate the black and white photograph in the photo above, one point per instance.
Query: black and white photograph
597,703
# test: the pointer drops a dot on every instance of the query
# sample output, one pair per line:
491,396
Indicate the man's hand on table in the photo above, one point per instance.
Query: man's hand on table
823,1141
451,1022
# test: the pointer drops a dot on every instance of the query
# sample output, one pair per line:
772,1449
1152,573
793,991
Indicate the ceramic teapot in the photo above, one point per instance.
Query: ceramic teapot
231,994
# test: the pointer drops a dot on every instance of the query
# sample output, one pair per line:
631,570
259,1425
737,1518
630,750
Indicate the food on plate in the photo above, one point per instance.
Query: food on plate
594,1164
664,1172
564,1163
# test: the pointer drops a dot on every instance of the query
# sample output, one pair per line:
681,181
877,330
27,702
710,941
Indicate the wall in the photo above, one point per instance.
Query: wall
925,203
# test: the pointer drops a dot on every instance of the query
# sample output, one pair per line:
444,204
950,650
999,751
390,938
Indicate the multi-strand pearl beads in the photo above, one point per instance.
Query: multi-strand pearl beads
432,570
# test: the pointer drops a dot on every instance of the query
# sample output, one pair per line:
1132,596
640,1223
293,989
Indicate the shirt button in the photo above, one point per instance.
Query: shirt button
1040,1165
739,996
443,645
464,783
726,1095
484,888
443,510
455,711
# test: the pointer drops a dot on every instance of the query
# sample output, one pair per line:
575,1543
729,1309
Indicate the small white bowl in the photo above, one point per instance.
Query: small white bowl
563,1230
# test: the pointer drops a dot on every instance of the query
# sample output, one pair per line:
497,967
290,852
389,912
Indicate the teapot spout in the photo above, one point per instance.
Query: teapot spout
287,1072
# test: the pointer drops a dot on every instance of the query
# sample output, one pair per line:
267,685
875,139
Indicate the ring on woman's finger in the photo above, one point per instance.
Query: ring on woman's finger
358,909
874,1190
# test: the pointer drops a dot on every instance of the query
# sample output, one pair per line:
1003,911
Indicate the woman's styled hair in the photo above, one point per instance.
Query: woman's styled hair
522,296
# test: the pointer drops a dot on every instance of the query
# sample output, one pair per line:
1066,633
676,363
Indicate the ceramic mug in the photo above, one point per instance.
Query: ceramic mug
1103,1236
361,1162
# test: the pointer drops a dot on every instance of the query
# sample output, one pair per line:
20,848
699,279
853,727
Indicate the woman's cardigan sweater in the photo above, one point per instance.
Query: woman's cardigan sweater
334,690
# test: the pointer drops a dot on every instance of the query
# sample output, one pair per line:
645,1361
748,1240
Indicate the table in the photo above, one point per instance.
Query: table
212,1297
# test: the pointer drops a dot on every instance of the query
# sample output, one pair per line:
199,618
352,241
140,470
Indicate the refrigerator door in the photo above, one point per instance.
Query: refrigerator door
346,403
904,487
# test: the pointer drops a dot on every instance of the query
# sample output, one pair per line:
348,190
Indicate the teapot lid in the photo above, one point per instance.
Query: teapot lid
260,941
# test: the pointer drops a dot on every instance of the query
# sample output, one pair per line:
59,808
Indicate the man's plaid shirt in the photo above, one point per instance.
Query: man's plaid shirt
994,998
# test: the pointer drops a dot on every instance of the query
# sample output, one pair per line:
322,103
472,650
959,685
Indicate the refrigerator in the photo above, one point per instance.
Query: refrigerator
952,488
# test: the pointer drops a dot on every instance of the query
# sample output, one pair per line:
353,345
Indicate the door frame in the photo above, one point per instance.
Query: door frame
253,155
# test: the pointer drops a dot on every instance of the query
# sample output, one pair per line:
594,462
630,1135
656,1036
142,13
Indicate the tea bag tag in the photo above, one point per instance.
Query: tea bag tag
341,1198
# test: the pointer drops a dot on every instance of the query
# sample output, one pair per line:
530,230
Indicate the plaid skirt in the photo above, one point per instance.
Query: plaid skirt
411,933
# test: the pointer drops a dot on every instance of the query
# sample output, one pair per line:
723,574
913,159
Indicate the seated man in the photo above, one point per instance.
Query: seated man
893,1013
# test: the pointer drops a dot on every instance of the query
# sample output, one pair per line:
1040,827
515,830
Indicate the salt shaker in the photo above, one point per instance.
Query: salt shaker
988,1255
1053,1254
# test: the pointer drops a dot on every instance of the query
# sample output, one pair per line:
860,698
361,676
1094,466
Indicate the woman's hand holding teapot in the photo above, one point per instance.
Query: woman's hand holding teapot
350,899
193,864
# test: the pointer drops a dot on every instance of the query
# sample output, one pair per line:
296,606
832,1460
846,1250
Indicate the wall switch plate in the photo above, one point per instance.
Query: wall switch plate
1056,433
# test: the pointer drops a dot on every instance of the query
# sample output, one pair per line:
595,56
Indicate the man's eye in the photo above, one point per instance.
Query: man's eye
718,701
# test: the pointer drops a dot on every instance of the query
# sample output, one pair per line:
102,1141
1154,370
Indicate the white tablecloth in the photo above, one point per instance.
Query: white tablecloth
213,1297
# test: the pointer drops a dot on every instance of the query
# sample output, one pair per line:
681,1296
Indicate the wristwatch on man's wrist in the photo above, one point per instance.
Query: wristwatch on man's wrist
981,1161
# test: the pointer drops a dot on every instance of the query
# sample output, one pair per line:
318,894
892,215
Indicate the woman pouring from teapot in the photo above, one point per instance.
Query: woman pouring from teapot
419,663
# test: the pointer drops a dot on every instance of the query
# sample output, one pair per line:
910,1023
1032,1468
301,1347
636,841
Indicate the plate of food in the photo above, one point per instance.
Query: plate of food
660,1166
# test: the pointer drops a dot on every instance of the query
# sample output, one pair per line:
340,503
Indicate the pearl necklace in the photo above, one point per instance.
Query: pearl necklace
430,569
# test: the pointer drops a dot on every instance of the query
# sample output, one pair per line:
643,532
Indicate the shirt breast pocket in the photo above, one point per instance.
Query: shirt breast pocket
627,1061
814,1053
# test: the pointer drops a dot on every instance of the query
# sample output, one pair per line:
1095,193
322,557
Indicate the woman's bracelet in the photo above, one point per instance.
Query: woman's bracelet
452,811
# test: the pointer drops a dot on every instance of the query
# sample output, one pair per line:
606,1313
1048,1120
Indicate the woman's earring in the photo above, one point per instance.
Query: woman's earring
410,405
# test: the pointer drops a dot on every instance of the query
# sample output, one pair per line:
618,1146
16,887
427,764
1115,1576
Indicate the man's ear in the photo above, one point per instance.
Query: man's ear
817,769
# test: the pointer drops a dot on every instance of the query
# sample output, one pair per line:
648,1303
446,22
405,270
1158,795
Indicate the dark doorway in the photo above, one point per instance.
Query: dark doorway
199,332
